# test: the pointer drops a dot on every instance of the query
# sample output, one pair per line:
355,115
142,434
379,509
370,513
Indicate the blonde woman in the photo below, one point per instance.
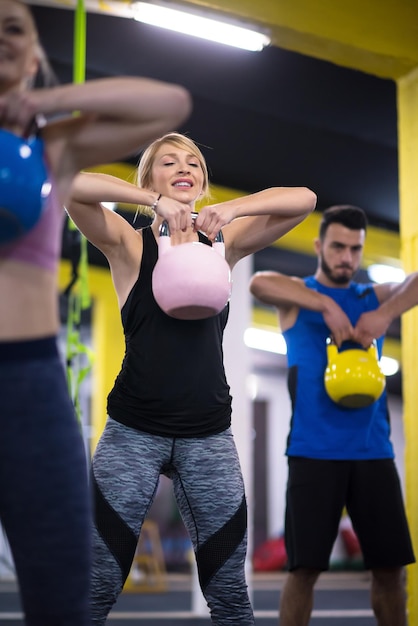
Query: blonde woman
170,408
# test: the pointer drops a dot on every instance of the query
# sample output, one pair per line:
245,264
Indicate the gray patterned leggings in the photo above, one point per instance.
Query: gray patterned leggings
209,491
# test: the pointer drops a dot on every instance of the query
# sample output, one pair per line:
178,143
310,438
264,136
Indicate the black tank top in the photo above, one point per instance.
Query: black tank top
172,382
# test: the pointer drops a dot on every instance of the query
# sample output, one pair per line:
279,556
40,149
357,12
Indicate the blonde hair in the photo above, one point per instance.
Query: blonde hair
178,141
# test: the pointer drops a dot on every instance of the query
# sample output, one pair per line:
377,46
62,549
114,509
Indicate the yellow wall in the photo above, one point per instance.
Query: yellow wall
408,161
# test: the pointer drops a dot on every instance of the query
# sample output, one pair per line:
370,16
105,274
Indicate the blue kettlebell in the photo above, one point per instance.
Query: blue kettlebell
24,185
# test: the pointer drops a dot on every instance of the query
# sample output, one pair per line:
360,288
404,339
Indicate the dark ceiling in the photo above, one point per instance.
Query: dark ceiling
262,119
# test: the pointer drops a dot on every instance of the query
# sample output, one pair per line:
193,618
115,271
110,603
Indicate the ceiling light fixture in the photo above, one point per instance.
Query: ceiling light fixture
389,366
381,273
199,26
267,340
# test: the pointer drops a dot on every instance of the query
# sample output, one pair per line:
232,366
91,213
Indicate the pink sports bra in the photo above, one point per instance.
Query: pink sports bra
42,245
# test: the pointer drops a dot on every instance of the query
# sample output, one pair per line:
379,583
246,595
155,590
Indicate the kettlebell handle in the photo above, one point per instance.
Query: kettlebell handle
330,342
36,124
165,230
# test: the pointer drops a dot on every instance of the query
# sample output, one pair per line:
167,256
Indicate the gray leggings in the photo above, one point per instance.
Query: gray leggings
209,491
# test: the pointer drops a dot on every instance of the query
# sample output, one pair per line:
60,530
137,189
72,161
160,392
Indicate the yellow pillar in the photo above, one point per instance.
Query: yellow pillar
408,172
108,345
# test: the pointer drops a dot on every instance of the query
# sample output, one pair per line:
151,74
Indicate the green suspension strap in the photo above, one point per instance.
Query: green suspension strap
77,354
79,47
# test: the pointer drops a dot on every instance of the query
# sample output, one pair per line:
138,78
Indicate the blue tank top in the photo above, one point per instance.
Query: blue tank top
319,428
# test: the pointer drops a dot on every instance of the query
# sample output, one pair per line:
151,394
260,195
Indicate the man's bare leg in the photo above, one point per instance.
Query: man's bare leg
388,596
296,599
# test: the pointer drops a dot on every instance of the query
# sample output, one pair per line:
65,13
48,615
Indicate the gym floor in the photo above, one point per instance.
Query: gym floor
341,599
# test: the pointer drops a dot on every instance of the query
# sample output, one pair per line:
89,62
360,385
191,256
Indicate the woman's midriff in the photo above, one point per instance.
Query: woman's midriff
28,302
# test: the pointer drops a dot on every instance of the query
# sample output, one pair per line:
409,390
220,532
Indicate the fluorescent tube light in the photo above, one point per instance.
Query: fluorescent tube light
388,365
198,26
267,340
380,273
109,205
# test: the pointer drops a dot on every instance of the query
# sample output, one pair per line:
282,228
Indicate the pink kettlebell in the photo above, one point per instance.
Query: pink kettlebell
191,281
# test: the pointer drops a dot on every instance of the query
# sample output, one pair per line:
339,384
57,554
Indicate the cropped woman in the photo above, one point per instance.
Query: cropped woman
44,498
170,408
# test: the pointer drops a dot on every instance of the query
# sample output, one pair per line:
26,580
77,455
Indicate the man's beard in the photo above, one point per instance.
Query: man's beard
340,279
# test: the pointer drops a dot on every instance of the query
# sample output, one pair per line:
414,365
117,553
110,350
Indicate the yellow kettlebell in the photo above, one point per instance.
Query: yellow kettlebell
353,377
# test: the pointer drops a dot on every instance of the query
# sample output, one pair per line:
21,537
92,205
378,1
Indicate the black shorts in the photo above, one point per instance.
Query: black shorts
317,492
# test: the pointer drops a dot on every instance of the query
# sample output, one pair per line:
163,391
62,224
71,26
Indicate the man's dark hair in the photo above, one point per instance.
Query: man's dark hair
351,217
